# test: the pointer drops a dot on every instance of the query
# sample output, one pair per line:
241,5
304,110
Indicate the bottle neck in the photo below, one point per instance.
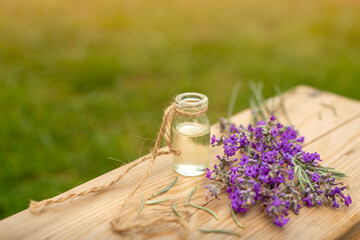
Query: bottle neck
191,102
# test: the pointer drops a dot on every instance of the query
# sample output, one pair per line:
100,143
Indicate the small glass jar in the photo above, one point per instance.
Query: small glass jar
191,135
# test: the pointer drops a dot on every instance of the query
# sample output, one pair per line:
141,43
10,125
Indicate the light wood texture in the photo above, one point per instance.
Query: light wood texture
335,138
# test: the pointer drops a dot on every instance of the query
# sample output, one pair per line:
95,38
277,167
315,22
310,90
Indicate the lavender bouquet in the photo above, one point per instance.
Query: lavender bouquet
266,163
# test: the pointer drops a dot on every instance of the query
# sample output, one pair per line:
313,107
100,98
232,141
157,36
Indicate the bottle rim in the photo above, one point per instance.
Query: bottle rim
191,99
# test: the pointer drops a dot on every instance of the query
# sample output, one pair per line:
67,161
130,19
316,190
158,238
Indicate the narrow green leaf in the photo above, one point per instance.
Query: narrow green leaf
325,170
339,177
295,172
336,172
307,179
328,167
300,181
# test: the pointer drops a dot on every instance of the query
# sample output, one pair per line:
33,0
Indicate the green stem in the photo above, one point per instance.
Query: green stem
141,206
255,110
257,98
176,212
234,217
220,231
165,189
261,97
190,195
206,209
157,201
233,97
278,92
254,117
333,109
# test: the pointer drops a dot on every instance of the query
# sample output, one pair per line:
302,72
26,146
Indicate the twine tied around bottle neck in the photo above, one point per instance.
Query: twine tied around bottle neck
165,131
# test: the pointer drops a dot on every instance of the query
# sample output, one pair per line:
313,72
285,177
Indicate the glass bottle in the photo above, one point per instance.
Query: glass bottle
191,135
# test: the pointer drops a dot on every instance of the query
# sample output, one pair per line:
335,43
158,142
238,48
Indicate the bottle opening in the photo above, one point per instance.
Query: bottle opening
191,100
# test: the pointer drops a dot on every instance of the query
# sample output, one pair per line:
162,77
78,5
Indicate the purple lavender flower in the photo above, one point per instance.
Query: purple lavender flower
233,129
270,157
290,133
244,142
251,171
208,173
258,132
308,200
244,159
230,150
277,202
311,157
213,140
291,174
348,200
262,122
281,221
275,132
315,177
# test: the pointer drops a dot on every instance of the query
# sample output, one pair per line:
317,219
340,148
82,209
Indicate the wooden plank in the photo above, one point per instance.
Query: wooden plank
88,217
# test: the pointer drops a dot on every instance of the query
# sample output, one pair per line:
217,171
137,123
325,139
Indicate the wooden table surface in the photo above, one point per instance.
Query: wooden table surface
335,138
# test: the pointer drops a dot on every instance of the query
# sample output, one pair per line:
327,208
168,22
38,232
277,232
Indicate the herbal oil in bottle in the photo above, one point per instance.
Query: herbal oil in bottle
191,135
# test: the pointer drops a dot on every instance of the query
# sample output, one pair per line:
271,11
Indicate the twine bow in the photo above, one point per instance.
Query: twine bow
165,131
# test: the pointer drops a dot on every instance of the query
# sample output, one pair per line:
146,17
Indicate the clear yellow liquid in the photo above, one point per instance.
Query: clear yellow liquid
193,140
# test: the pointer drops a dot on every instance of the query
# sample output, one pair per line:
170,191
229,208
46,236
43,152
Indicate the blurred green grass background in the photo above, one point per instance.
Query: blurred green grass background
84,80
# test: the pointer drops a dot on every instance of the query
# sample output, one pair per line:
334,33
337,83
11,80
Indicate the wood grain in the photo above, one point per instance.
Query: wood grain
336,138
